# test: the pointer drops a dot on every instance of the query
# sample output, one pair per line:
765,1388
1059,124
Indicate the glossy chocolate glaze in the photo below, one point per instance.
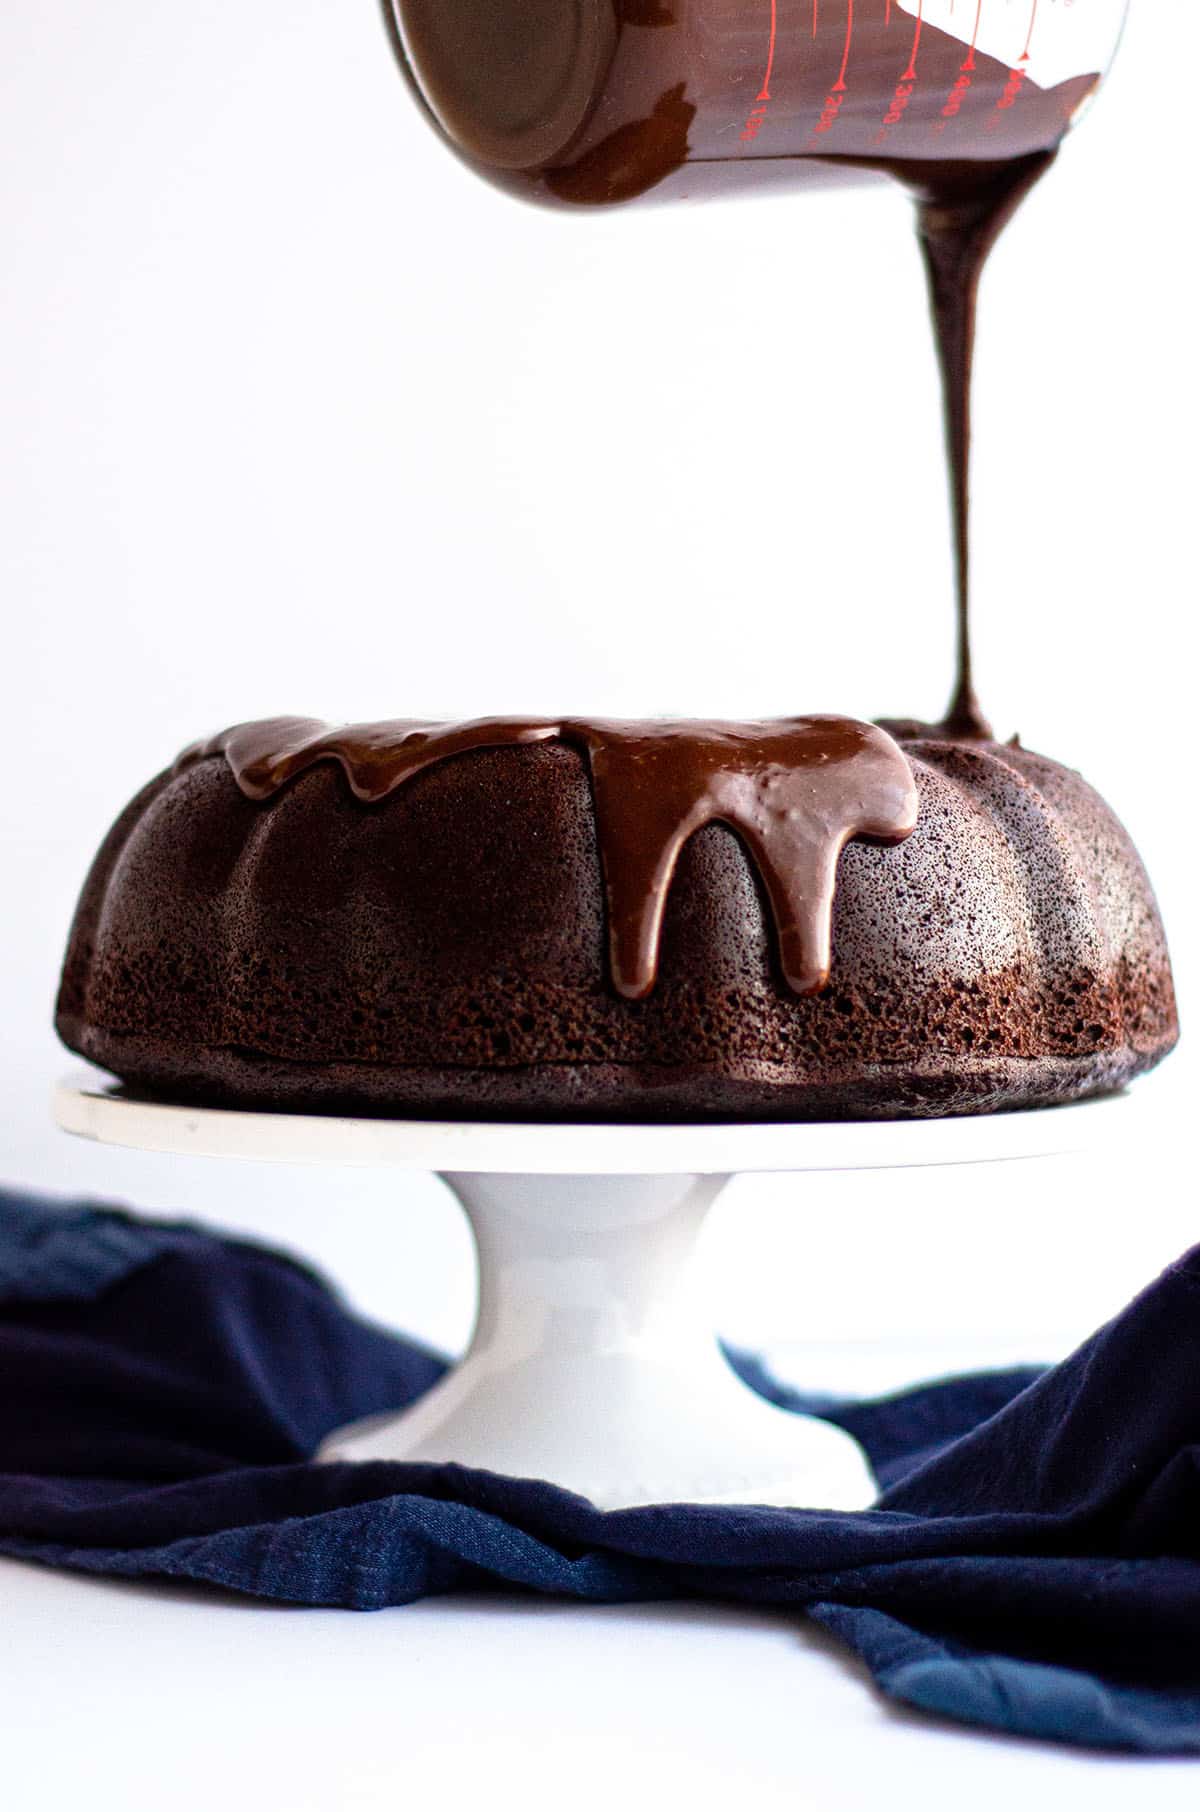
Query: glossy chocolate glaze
587,103
796,791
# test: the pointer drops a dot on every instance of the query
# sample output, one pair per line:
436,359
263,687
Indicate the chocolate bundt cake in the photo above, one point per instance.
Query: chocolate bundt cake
806,919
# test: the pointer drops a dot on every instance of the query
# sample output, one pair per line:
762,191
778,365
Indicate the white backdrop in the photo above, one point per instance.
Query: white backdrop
297,416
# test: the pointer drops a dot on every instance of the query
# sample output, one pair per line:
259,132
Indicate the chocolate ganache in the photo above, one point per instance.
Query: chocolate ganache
615,101
796,791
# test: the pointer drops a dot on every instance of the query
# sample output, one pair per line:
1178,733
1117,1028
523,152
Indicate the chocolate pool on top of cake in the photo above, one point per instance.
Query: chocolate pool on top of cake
802,919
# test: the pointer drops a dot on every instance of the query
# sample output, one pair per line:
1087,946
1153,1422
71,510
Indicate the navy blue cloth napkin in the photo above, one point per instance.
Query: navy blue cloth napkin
1033,1565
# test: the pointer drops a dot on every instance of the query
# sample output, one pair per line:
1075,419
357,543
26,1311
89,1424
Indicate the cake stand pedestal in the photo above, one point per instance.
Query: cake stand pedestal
594,1363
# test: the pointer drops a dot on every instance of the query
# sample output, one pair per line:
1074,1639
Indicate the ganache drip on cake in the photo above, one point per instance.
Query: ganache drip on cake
795,790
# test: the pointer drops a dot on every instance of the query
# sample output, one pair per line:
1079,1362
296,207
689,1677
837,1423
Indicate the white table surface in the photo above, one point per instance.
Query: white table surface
134,1698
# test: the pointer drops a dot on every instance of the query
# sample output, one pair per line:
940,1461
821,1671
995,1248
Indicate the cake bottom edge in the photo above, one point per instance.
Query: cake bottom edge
934,1087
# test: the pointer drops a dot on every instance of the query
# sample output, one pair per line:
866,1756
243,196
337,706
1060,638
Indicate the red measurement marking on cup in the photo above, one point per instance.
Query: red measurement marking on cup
954,101
905,87
758,112
766,87
1009,96
837,94
970,62
910,74
964,81
1032,26
1012,90
839,87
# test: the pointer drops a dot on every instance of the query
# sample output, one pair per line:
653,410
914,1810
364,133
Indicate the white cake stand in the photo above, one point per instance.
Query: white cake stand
593,1362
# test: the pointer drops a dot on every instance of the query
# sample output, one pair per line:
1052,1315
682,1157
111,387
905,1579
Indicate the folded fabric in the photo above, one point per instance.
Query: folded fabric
1031,1566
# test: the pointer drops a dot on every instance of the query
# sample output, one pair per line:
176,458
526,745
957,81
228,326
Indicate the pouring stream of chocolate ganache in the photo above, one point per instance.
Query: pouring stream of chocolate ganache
624,101
961,212
795,791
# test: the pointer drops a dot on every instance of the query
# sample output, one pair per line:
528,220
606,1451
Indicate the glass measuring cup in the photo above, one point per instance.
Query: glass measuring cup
592,102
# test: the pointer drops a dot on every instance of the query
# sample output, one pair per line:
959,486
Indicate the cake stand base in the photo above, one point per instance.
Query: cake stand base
593,1363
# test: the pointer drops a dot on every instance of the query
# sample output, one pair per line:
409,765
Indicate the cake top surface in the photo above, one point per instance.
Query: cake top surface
794,789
